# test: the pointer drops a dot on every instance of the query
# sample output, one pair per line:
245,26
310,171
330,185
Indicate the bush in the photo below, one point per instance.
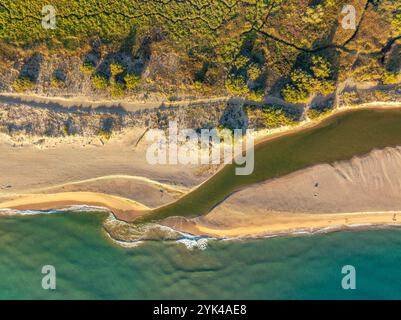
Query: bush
314,113
303,83
293,94
116,69
300,88
257,95
56,83
325,87
117,90
321,68
236,86
391,77
132,81
272,116
23,84
104,134
254,72
87,68
100,82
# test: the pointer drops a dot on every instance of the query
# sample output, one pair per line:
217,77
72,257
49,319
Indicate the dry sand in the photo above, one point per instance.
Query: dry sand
117,168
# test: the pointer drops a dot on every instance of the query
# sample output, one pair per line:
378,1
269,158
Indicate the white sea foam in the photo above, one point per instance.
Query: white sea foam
191,244
75,208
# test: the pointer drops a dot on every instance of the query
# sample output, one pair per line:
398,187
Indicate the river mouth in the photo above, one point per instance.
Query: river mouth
335,138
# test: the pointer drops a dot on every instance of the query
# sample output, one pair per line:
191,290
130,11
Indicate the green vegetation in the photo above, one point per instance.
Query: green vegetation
131,81
67,129
100,82
254,72
104,134
333,140
391,77
116,69
273,116
304,83
88,68
253,44
56,83
23,84
237,86
256,95
117,90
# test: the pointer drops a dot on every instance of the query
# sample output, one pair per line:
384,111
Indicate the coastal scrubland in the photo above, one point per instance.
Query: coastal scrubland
251,48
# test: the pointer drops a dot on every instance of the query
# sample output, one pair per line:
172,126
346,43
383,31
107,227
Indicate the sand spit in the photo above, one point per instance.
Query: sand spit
363,190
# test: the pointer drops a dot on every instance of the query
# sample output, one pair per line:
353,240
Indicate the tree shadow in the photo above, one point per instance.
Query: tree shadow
392,61
234,116
132,63
31,67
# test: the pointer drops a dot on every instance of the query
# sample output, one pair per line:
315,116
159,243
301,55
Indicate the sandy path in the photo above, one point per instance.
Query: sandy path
83,102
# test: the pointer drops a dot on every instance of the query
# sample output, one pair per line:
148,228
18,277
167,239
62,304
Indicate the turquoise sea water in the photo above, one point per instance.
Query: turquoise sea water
90,266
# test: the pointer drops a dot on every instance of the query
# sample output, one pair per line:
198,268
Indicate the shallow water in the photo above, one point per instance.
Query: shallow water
89,265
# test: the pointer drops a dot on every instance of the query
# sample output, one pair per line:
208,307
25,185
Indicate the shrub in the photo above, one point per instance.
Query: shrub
116,69
131,81
23,84
100,82
293,94
56,83
272,116
314,113
241,61
67,129
391,77
87,68
300,88
321,68
117,90
257,95
104,134
325,87
303,83
254,72
236,86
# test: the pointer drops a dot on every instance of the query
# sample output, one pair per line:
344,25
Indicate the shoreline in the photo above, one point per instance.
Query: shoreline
316,225
284,224
118,206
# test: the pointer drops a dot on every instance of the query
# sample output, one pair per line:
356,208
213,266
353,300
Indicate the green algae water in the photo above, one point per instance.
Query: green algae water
90,266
